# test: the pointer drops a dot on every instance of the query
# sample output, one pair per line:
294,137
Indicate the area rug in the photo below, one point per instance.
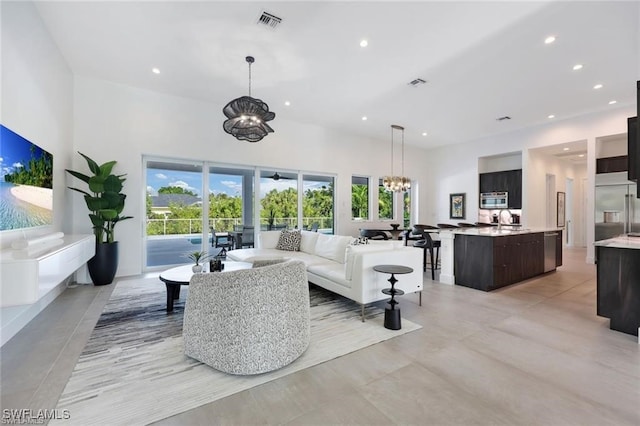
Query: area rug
133,370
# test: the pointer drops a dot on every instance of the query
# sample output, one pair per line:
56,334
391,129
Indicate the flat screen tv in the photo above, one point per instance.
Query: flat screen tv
26,183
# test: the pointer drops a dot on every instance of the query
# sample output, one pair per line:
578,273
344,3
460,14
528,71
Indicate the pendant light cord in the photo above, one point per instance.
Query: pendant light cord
403,153
391,151
250,60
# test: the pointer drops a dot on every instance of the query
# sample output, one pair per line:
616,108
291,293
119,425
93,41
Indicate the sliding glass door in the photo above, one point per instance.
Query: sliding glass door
278,200
230,198
186,202
318,203
174,226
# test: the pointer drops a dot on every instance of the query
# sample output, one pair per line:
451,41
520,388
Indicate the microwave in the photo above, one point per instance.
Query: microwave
494,200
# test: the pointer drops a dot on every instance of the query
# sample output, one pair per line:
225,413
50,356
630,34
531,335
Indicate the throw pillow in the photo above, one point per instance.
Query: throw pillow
289,240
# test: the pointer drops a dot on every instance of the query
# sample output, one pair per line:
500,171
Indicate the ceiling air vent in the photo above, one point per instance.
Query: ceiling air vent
417,82
506,117
269,20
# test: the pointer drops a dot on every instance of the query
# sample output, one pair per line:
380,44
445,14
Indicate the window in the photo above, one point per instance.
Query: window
278,200
230,198
406,208
359,198
385,202
317,203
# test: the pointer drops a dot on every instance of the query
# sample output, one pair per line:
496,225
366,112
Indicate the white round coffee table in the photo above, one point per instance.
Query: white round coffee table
181,275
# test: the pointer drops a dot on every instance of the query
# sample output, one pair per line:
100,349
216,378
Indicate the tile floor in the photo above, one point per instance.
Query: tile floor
530,354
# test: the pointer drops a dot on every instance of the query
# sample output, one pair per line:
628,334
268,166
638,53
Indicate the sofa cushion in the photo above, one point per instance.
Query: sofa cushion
289,240
268,239
332,247
251,254
332,271
261,255
308,241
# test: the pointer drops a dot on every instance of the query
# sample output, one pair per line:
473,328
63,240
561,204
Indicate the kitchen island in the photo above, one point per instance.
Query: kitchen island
618,289
488,258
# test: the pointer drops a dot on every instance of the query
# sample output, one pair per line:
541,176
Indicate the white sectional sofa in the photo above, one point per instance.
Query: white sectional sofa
332,262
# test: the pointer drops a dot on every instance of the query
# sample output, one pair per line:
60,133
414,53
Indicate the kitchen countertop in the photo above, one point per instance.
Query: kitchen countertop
622,241
494,232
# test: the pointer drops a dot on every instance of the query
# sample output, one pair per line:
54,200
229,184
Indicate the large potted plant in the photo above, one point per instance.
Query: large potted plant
105,202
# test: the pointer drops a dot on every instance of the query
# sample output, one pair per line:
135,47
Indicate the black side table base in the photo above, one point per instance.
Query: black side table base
392,319
391,313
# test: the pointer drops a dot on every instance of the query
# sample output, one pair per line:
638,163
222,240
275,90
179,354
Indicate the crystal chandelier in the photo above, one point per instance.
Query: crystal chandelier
396,183
247,116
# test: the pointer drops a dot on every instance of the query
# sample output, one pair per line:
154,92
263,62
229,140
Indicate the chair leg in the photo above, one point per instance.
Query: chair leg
362,312
420,300
437,256
424,260
433,271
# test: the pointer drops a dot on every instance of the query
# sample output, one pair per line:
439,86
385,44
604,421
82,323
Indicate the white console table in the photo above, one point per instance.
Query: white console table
32,278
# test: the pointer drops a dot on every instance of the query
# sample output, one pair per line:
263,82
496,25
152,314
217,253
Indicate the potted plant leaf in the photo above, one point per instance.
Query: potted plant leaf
105,202
197,256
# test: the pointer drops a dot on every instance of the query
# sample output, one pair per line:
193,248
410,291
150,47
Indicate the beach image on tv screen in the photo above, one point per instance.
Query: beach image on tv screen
26,183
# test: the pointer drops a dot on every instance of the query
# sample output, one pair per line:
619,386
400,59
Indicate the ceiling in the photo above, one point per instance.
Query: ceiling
480,60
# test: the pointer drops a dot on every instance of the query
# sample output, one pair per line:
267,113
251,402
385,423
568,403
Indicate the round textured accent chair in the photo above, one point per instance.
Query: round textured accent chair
249,321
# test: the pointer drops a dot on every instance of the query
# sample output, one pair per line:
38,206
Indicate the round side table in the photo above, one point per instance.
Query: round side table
391,314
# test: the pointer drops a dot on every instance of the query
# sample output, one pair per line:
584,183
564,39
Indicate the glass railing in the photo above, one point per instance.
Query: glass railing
194,226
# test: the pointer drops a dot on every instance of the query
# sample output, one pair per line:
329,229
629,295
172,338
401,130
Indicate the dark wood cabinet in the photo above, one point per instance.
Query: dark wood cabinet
509,181
486,263
618,287
633,148
619,163
559,248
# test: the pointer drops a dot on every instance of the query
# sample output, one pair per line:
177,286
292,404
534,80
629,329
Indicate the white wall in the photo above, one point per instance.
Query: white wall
512,161
579,229
37,100
117,122
612,147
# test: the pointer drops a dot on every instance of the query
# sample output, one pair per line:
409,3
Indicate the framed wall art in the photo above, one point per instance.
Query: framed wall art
457,206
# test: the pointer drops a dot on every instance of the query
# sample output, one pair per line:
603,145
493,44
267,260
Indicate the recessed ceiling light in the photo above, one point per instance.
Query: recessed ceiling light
364,118
287,103
577,67
155,70
364,43
424,133
566,149
598,86
613,102
551,116
581,155
549,40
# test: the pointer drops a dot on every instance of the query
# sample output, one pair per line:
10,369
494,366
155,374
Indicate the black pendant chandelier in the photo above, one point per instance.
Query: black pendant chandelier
247,116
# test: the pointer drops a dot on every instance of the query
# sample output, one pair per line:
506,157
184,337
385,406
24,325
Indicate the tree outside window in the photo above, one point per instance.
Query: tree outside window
385,202
359,198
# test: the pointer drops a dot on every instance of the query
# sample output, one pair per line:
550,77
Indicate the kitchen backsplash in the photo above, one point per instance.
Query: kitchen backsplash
487,216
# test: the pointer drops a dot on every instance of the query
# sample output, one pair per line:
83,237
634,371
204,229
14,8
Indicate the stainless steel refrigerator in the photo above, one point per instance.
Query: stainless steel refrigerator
617,206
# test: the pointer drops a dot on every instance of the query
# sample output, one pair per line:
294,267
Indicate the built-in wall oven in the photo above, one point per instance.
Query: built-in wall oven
494,200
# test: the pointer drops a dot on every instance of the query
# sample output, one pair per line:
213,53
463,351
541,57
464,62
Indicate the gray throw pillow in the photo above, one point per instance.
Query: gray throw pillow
289,240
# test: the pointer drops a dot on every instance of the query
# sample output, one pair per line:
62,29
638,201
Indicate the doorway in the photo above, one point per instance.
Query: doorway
551,202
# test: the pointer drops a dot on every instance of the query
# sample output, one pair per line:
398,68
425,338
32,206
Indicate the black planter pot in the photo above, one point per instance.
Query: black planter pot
102,267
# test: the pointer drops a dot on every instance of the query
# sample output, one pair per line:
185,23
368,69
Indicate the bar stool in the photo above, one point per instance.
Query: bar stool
427,243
